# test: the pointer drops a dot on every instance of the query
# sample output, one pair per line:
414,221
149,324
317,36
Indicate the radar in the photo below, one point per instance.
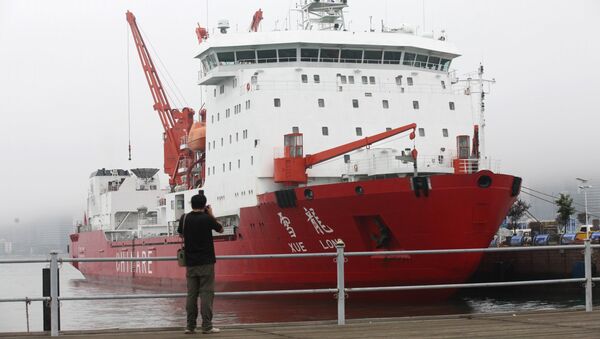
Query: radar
223,25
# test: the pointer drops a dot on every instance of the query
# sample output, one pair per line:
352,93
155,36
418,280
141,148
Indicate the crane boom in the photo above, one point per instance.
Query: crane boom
176,124
291,169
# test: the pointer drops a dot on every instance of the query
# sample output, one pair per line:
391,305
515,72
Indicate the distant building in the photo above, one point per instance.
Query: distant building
5,247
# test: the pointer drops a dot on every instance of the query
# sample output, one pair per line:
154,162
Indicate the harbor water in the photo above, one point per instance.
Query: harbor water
24,280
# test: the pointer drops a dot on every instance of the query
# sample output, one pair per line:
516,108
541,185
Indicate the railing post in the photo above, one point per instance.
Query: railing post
54,293
341,290
587,257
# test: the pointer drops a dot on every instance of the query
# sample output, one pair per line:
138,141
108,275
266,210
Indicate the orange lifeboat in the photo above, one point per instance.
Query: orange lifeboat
197,137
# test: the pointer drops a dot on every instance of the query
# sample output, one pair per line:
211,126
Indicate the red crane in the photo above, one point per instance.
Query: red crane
291,169
178,159
256,19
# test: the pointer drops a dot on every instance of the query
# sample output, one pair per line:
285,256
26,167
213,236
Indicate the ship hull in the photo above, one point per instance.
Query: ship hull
444,212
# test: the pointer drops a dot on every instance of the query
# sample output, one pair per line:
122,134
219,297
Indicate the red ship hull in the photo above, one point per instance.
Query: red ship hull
448,211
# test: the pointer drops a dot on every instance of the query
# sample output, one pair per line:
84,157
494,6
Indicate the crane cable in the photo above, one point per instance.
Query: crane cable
128,94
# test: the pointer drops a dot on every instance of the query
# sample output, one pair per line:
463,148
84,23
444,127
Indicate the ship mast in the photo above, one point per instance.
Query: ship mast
324,15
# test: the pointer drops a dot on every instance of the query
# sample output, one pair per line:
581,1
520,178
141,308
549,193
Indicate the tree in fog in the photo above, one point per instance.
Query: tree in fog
516,212
565,210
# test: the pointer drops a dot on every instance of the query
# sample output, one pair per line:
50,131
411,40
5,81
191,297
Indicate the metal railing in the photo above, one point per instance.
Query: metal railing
340,257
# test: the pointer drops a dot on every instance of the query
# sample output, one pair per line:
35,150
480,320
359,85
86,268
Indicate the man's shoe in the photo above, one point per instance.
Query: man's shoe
211,331
189,331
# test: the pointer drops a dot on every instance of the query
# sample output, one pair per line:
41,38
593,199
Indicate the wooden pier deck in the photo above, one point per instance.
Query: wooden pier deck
570,324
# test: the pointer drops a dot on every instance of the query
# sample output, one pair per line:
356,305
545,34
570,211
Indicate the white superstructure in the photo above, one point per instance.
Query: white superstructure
334,86
124,201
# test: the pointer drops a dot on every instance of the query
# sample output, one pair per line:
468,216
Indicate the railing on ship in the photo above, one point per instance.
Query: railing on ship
340,258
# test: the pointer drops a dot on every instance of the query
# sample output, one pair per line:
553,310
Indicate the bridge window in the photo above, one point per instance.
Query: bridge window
444,64
246,57
451,104
309,54
373,57
415,104
392,58
433,63
421,61
226,58
287,55
268,55
409,59
277,102
325,130
329,55
351,56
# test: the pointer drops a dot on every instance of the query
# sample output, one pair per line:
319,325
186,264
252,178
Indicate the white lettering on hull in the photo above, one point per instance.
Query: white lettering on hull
297,247
141,267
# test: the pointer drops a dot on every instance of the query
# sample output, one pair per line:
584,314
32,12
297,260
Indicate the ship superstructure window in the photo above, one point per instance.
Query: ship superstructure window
444,64
316,78
223,167
230,166
325,130
415,104
344,79
309,54
329,55
235,80
228,113
218,116
304,78
226,58
287,55
355,103
399,80
267,55
433,62
365,80
443,84
392,58
247,104
445,132
351,79
239,163
237,136
230,138
351,56
372,80
451,105
421,132
212,119
372,57
295,129
386,104
277,102
251,160
321,102
221,141
359,131
409,81
421,61
409,59
215,92
245,134
221,89
245,57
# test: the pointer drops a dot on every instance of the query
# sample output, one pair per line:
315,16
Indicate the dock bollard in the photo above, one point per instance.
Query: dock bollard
341,290
54,293
587,257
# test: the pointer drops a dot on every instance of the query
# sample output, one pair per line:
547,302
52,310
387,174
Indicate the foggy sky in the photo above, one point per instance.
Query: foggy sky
64,71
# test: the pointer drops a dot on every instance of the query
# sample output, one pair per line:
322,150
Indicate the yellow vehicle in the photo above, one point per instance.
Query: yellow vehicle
585,232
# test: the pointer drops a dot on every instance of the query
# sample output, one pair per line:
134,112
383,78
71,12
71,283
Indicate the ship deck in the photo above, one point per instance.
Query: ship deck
571,324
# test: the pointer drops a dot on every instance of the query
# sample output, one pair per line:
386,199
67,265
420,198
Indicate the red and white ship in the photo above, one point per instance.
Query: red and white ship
309,136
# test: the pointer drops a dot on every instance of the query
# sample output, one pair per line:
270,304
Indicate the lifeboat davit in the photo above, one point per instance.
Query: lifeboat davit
197,137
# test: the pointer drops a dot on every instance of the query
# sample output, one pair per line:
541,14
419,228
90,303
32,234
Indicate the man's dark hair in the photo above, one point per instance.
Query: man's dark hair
198,201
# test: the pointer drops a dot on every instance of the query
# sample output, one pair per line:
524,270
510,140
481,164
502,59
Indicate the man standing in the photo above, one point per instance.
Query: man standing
200,262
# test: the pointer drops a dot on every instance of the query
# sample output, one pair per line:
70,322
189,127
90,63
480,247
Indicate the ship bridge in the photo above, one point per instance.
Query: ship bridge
225,54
